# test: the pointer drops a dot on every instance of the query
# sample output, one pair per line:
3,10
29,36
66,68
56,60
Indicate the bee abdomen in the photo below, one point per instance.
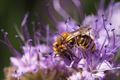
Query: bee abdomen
86,42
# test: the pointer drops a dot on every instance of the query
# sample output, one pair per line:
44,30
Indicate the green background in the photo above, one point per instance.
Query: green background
13,11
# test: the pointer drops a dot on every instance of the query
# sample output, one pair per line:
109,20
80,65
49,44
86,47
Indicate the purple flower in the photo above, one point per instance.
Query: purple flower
104,31
33,57
37,56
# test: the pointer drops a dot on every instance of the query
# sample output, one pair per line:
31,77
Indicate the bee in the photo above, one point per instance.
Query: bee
67,40
82,39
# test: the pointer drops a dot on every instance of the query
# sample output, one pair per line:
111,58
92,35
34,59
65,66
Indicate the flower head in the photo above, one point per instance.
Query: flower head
85,53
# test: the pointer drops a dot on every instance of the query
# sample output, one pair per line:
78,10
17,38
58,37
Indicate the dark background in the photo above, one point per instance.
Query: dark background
12,13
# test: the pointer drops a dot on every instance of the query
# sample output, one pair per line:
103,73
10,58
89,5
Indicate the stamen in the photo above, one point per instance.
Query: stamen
11,48
19,33
47,34
115,48
29,42
110,24
6,34
19,40
69,22
104,55
36,35
2,41
24,28
104,20
16,36
108,64
38,57
102,45
113,37
102,70
96,21
37,38
66,22
24,19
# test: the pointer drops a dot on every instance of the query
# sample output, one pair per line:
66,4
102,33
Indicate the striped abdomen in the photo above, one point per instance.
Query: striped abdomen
86,42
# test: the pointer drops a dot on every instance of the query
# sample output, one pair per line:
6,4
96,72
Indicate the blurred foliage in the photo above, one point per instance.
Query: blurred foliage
12,12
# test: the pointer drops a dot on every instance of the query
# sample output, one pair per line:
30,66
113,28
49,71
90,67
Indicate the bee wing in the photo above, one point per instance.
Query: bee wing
82,30
72,35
